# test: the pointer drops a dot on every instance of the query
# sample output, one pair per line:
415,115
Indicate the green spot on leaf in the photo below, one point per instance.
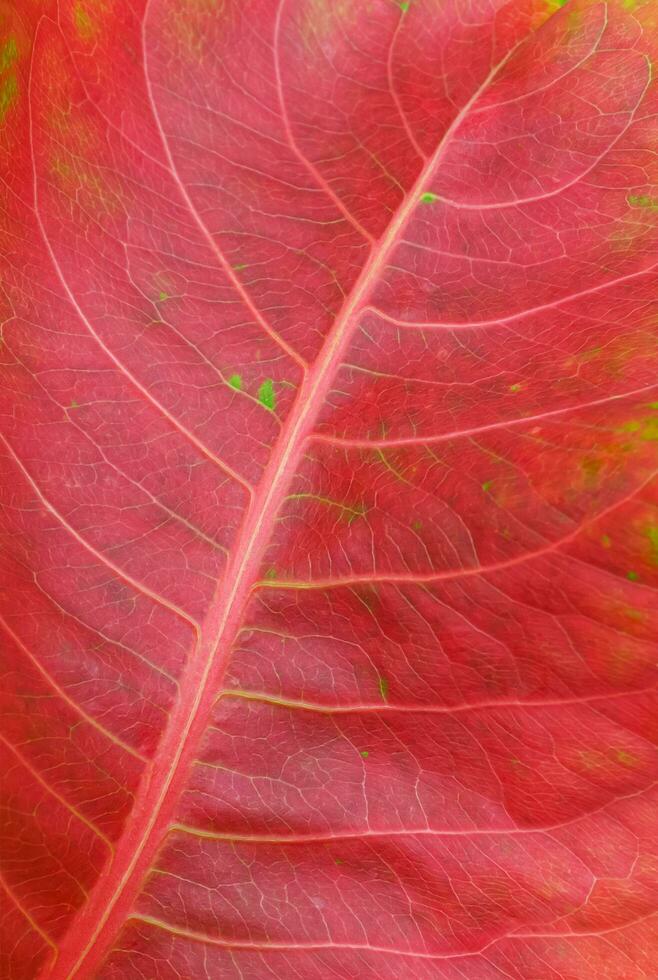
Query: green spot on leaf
235,382
364,753
643,201
650,431
652,534
645,429
270,573
632,576
486,486
514,388
416,525
239,268
266,395
383,688
8,54
162,297
606,541
404,6
591,467
84,23
428,198
8,95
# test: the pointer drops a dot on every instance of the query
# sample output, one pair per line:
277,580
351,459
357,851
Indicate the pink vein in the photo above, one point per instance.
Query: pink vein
470,324
106,350
100,557
576,935
61,693
394,93
501,205
53,792
423,831
217,252
296,947
413,578
449,709
475,430
312,169
26,915
157,796
495,106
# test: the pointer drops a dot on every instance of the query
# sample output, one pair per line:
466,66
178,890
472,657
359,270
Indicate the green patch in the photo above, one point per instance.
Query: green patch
643,201
606,541
645,428
417,525
8,95
486,486
266,395
270,573
338,861
8,54
428,198
626,758
235,381
74,404
364,754
368,596
652,534
162,296
514,388
89,179
590,355
404,6
383,688
322,18
239,268
84,23
632,576
650,431
591,467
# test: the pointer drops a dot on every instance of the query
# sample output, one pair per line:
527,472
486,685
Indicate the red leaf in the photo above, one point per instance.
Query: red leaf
329,421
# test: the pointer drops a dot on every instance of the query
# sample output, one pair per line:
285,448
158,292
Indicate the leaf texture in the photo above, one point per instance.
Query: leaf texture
328,431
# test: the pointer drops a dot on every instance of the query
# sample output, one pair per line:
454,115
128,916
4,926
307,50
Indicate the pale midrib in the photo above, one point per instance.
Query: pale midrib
252,541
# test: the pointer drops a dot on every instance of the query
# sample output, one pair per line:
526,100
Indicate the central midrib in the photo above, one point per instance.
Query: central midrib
113,896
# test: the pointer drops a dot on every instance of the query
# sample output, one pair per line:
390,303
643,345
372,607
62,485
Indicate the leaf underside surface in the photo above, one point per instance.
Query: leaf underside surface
328,424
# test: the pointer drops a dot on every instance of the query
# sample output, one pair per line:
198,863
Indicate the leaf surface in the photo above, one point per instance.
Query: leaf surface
329,533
